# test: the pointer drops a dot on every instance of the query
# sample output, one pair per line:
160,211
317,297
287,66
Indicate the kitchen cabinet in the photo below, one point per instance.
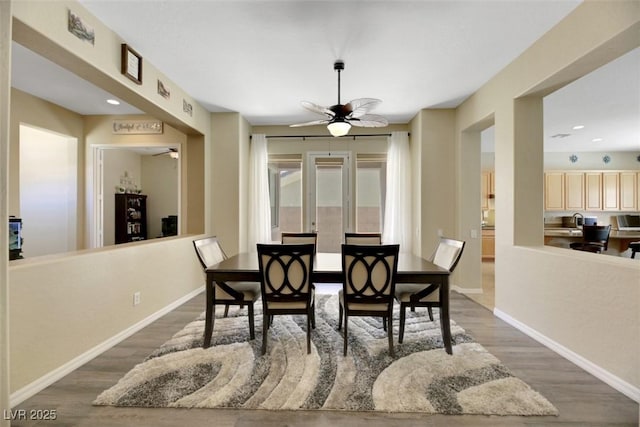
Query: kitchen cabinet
554,191
488,244
130,218
610,191
488,190
593,193
574,191
628,191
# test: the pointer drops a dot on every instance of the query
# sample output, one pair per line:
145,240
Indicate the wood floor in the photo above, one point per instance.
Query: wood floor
581,399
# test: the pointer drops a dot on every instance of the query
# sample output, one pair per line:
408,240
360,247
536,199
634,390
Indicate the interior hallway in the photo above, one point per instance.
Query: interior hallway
487,297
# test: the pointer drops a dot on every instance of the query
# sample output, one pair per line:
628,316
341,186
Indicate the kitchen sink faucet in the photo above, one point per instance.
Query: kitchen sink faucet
575,219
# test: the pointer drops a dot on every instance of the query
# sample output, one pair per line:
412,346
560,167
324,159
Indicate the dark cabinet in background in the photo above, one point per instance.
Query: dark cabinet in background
131,217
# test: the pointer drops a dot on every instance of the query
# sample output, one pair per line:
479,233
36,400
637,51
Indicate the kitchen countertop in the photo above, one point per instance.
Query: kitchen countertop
576,232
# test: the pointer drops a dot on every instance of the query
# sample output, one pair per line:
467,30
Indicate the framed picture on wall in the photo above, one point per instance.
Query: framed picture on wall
131,64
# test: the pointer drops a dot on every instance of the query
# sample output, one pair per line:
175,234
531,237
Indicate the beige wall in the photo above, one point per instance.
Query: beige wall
70,304
160,183
194,181
226,157
42,114
582,305
5,95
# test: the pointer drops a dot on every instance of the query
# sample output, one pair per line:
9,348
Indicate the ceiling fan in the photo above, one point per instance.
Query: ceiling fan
172,152
339,117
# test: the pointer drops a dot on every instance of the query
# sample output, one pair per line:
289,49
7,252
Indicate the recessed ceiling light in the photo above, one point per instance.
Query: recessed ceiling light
577,127
113,101
596,140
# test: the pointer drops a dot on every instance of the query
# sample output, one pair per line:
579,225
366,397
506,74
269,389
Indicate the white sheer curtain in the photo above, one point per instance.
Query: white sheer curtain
259,215
397,217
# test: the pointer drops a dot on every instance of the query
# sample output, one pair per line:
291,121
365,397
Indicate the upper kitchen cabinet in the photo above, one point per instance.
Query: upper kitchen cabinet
628,191
610,191
554,191
574,191
593,193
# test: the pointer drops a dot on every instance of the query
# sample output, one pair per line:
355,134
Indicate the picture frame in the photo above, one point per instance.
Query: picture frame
131,64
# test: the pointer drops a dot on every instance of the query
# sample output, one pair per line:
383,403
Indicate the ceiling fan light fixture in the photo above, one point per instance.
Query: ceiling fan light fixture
338,128
174,155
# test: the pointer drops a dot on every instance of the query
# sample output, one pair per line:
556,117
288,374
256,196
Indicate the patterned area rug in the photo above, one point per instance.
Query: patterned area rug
233,374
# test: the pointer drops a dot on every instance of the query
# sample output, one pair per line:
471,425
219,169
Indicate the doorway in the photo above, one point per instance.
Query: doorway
328,192
150,170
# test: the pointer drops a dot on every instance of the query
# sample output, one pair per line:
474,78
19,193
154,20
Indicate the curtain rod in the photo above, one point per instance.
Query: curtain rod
327,136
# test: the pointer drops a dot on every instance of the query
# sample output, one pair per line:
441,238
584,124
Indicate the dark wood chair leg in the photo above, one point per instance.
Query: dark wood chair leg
430,313
309,315
313,315
390,333
265,331
252,334
340,317
445,327
346,324
403,309
210,319
384,323
226,310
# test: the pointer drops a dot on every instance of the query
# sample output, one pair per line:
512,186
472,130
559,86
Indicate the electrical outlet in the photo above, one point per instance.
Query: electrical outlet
136,298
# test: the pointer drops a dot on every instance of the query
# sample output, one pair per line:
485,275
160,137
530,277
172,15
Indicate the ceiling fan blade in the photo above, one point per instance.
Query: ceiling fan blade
315,122
369,121
360,106
317,108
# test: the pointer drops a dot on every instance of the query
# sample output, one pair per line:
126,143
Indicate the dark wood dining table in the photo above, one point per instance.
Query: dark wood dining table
328,269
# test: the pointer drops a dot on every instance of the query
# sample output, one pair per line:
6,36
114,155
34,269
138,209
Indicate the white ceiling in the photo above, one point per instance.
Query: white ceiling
261,58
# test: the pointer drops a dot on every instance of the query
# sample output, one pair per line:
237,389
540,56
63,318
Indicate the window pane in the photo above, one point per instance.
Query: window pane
291,199
285,194
370,190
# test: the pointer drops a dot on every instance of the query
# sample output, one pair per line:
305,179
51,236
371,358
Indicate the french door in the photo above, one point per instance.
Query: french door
328,197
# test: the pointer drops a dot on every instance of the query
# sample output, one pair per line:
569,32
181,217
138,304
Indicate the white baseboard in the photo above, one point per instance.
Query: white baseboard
466,290
629,390
46,380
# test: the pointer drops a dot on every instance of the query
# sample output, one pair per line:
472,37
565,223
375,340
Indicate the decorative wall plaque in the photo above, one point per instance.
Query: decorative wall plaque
187,108
137,127
163,90
80,29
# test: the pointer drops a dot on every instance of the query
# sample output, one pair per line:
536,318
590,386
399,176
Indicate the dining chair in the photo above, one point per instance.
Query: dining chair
363,238
285,284
595,238
446,255
209,253
369,279
300,238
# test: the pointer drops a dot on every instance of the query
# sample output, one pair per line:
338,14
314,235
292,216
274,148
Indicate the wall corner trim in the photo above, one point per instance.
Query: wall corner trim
46,380
629,390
